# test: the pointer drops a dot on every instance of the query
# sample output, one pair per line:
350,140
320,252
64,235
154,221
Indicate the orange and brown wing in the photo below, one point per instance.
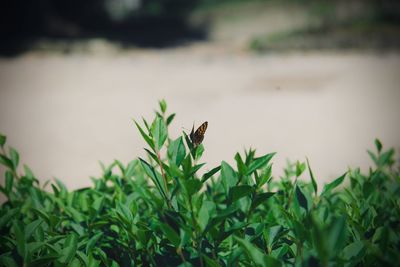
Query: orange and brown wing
202,129
198,136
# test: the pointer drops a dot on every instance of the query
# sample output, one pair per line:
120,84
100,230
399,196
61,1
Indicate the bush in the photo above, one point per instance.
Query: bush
230,216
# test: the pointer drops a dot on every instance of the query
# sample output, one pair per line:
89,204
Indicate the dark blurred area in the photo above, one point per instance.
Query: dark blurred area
154,23
165,23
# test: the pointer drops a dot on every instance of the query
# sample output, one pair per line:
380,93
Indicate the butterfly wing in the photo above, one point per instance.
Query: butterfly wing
198,136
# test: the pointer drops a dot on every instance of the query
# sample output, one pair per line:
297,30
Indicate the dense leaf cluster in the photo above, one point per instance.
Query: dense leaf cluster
229,216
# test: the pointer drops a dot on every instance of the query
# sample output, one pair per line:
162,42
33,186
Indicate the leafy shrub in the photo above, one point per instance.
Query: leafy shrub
230,216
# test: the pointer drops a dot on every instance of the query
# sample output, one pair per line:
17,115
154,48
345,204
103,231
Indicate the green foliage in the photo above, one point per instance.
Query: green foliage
160,211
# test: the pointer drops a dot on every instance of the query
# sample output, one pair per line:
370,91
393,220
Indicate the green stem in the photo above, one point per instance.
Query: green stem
164,179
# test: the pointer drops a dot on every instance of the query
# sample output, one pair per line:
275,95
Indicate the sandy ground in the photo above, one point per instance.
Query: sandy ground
66,112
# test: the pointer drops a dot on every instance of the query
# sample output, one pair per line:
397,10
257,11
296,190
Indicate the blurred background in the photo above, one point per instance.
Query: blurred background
304,78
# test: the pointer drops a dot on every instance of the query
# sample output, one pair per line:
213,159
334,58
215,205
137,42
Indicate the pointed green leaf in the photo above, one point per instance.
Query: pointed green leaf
301,198
300,167
242,168
177,151
265,177
260,198
206,211
255,254
159,132
378,145
228,175
314,183
163,105
6,162
258,163
192,186
92,242
329,187
7,261
337,234
170,118
19,233
31,227
14,156
154,176
209,174
354,250
210,262
199,151
69,248
28,172
239,191
3,140
147,138
171,235
5,218
9,182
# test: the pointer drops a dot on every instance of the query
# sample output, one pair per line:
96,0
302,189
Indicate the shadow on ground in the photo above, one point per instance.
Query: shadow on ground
24,23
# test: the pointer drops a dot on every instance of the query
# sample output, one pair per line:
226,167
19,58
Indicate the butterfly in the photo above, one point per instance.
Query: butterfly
197,136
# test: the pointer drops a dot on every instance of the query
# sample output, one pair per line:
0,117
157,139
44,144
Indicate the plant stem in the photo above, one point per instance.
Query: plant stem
164,179
162,171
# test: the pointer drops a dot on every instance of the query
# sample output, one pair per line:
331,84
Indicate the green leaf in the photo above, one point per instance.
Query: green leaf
242,168
159,132
300,167
42,215
147,138
14,157
237,192
221,215
199,151
28,172
207,209
92,242
373,157
386,158
272,234
255,254
3,140
19,233
192,186
154,176
314,183
163,105
187,165
378,145
195,169
76,263
353,250
5,260
337,234
31,227
170,118
258,163
228,175
260,198
329,187
6,218
171,235
266,176
69,248
9,182
6,162
210,262
177,151
209,174
45,260
301,198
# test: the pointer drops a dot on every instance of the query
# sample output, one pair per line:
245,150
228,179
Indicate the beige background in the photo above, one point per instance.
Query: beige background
63,113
